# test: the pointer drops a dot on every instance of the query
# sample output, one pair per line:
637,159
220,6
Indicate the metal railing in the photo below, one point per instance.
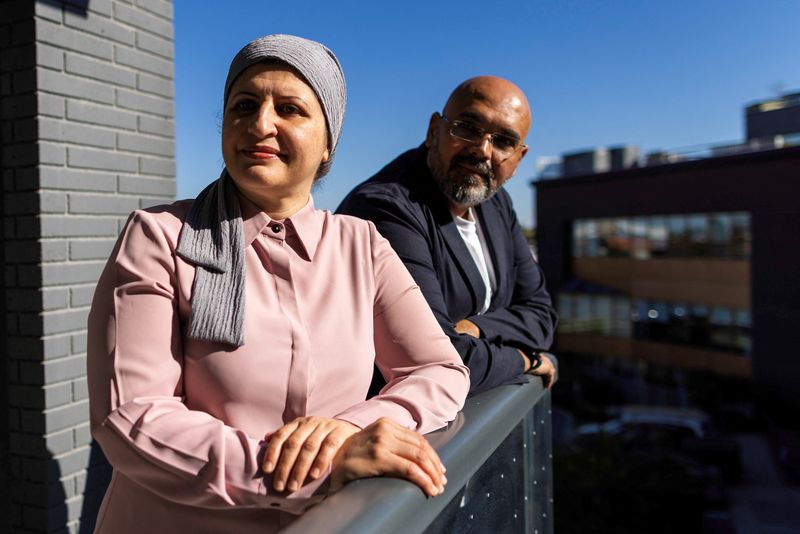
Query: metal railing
499,469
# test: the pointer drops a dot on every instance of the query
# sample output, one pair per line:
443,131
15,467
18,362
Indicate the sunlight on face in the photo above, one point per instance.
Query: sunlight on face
273,135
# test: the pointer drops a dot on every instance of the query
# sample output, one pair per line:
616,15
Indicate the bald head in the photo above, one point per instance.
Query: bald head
498,93
475,146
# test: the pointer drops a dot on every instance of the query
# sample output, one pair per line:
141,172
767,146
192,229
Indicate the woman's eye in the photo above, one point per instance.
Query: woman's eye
244,105
288,109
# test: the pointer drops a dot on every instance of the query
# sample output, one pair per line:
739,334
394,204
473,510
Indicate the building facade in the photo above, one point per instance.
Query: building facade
86,102
685,266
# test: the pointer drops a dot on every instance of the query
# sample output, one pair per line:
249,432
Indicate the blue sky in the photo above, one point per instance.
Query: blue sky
659,74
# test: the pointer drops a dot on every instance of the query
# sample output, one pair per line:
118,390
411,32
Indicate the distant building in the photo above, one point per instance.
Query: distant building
681,266
773,117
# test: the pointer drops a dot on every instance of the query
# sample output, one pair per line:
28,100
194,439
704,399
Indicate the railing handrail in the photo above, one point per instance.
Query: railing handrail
393,505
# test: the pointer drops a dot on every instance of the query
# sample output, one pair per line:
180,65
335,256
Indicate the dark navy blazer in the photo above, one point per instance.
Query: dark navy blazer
409,210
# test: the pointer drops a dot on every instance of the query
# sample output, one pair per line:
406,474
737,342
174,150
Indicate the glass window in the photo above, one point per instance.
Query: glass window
698,324
583,313
605,236
620,242
658,317
639,246
678,239
721,231
591,241
681,235
699,237
566,314
678,330
621,317
740,235
577,238
721,332
639,310
602,315
657,235
742,331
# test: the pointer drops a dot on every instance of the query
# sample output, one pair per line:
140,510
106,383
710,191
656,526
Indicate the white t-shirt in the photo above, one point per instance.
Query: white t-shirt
473,237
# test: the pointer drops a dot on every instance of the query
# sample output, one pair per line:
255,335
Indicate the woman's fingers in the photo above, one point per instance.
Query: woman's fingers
275,442
330,446
304,447
318,451
400,465
291,447
416,449
385,448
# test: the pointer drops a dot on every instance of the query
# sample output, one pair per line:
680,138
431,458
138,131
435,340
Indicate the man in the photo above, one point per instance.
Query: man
442,208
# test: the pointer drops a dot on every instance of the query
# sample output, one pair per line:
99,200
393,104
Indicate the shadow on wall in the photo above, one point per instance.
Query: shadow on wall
78,7
98,475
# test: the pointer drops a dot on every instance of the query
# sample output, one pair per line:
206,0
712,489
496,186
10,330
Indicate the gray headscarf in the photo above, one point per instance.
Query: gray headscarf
212,237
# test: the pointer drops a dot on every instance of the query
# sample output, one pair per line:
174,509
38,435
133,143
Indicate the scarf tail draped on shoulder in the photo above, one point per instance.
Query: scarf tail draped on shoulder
212,239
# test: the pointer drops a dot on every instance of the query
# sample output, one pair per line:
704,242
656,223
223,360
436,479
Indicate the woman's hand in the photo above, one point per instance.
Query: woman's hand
304,447
387,449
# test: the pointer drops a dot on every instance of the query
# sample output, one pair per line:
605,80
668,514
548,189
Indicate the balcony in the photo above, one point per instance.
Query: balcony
499,470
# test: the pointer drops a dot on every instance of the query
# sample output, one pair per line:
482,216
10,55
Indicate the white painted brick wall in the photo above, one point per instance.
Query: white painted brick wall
87,136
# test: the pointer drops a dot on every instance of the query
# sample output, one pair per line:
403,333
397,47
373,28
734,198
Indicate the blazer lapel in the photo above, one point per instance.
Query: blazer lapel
452,238
497,241
464,260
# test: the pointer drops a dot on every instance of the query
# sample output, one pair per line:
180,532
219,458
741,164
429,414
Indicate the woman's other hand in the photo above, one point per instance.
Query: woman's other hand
304,447
387,449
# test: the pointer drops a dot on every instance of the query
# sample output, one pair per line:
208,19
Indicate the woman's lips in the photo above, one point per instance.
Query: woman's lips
261,152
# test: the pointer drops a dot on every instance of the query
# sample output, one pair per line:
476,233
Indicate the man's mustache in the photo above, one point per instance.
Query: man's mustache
482,166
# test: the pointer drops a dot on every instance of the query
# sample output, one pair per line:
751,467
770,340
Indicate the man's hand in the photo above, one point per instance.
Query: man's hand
546,369
304,447
465,326
385,448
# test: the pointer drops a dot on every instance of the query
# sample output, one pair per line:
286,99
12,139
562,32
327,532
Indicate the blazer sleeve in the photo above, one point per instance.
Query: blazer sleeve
529,320
135,369
490,362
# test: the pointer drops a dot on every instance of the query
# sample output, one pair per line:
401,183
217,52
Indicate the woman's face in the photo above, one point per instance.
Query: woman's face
273,135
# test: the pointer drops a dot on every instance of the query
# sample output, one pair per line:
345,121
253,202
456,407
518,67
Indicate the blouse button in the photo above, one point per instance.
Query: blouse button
276,228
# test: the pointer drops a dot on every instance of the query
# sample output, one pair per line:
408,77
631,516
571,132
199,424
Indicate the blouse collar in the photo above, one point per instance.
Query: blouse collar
303,229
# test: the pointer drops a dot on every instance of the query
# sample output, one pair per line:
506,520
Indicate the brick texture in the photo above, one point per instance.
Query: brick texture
87,136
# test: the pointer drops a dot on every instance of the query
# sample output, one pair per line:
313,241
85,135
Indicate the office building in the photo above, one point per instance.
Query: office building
677,267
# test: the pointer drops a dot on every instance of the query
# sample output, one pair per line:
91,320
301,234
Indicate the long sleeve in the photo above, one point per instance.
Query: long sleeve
135,369
427,383
491,363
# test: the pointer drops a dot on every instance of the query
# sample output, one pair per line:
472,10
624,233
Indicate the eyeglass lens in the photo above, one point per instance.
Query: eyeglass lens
502,144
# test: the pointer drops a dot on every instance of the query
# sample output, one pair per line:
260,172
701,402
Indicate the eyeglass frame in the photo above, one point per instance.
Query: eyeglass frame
484,132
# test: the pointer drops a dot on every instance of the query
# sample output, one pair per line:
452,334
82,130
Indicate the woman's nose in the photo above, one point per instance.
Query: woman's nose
263,123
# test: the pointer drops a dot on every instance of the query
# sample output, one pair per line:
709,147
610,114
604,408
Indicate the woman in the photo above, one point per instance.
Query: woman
232,338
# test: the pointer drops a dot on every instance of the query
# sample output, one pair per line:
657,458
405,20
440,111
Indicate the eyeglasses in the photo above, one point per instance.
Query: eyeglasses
503,146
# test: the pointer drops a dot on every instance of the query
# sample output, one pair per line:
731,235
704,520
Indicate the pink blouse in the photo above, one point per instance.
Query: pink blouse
182,421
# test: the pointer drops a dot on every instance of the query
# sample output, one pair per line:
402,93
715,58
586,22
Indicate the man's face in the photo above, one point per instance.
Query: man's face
469,173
